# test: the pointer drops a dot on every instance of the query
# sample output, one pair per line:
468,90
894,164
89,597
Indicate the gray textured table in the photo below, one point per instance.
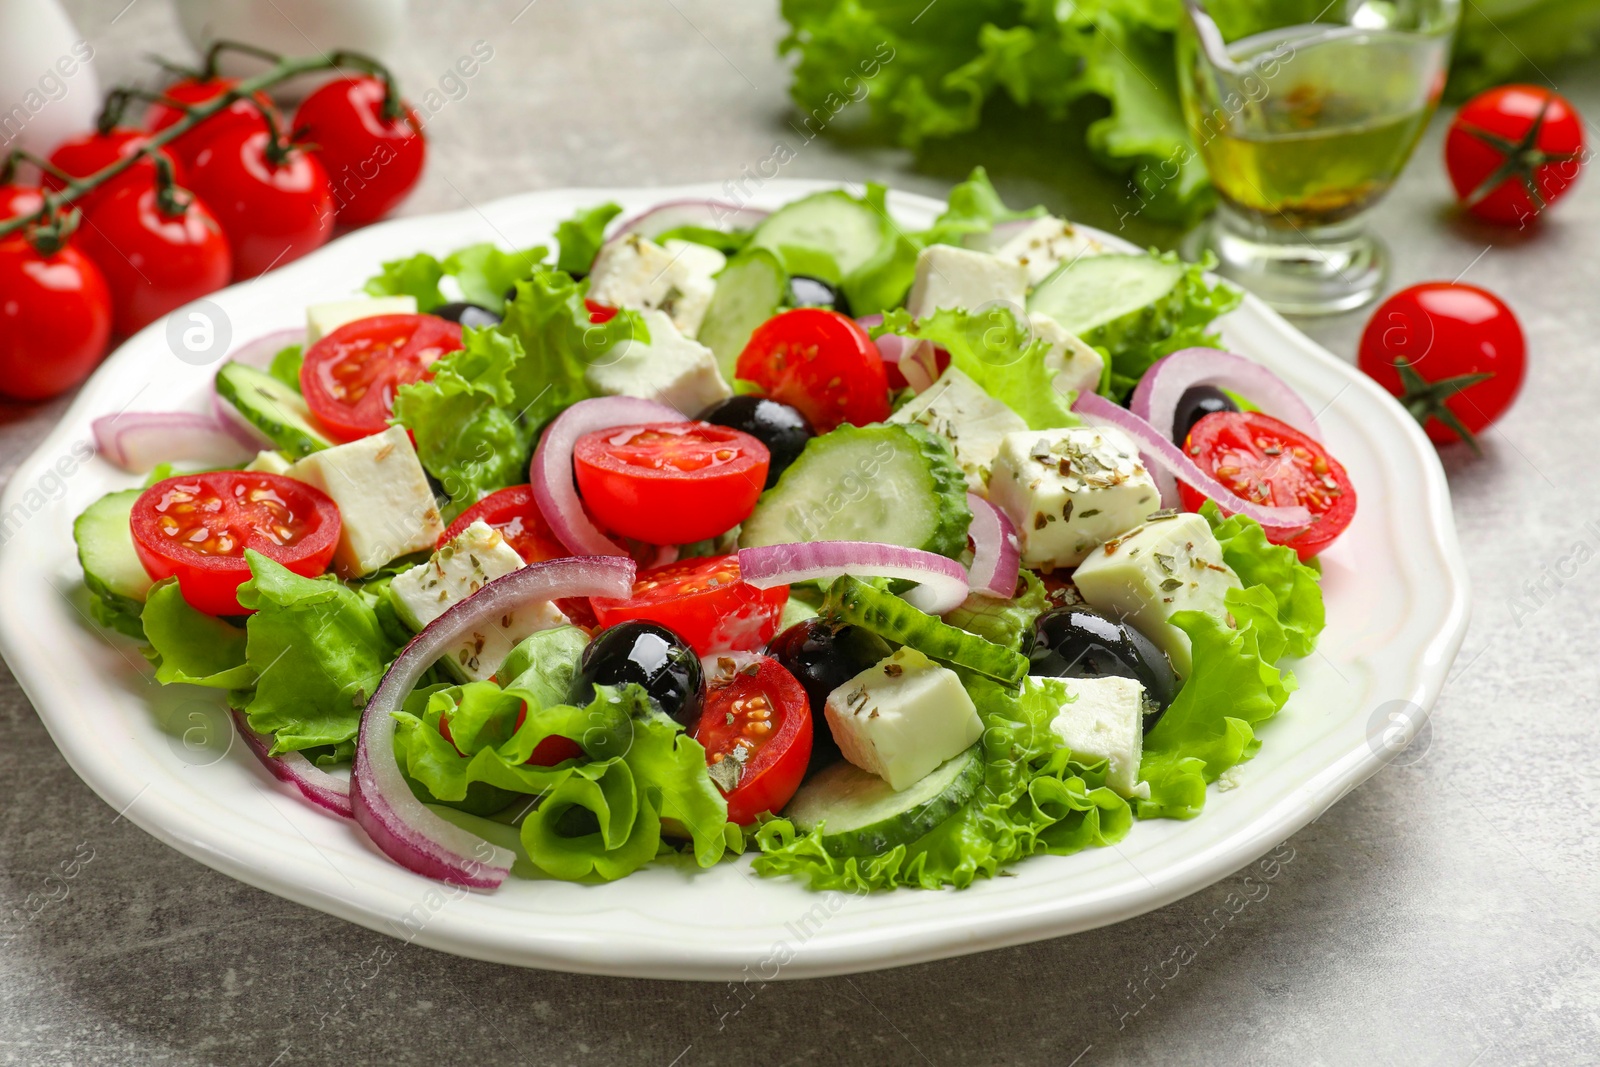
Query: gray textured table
1444,913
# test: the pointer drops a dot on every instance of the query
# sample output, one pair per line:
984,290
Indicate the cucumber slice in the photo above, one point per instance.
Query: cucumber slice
830,232
111,567
749,290
892,483
1112,300
273,408
851,600
861,816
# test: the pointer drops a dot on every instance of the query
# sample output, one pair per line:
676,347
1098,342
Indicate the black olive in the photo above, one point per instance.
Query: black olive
822,658
808,292
778,426
646,654
1196,403
1079,642
475,316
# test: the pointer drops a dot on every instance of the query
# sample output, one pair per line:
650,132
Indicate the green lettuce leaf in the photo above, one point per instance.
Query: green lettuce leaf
286,365
725,241
191,647
1512,40
1005,622
580,237
973,209
1196,304
544,663
882,282
415,276
486,273
1296,595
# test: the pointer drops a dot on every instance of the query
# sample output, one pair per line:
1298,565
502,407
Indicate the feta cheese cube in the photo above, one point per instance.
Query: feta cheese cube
1076,366
1100,719
1069,489
469,561
902,717
951,277
635,272
385,504
323,319
671,369
1169,564
269,461
958,409
1045,244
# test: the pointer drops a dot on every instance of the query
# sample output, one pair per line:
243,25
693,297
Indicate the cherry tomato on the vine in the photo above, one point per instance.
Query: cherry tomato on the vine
821,362
82,156
372,158
1513,151
273,201
1454,354
241,114
55,319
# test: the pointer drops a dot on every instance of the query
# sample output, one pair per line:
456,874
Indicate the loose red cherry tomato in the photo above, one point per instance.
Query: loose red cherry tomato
1513,151
55,319
197,528
703,601
17,201
239,115
154,261
821,362
670,483
547,753
350,376
756,728
82,156
599,314
1454,354
373,158
1270,462
274,203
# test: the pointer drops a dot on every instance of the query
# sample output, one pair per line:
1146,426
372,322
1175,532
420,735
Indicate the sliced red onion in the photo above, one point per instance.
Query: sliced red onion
710,214
136,441
384,806
916,359
1161,451
551,470
259,353
941,581
315,784
996,554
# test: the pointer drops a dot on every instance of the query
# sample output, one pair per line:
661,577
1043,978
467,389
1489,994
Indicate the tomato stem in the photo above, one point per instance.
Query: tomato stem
171,201
1425,399
1522,161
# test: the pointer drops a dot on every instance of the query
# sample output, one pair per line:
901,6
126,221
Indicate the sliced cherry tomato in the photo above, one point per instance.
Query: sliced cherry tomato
153,260
55,319
821,362
82,156
547,753
703,601
1270,462
274,203
515,513
372,157
1453,353
350,376
670,483
17,201
239,115
197,528
1513,151
756,728
599,314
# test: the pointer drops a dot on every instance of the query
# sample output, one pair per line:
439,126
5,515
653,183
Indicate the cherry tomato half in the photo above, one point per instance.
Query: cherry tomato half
599,314
239,115
1454,354
154,262
82,156
670,483
1513,151
515,513
703,601
757,716
1270,462
350,376
55,319
547,753
274,205
821,362
197,528
373,160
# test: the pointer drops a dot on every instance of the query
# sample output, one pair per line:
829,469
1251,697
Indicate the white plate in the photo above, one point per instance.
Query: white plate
1397,608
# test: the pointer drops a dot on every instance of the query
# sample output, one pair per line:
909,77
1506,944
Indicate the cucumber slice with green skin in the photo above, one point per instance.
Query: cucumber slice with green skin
111,567
749,290
892,483
861,815
825,230
1113,300
273,408
851,600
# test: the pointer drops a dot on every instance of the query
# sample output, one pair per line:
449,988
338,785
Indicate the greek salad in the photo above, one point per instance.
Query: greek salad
889,557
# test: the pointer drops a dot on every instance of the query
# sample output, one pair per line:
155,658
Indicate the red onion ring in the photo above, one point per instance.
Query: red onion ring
941,581
315,784
996,554
1162,452
136,441
384,806
711,214
259,353
551,470
914,357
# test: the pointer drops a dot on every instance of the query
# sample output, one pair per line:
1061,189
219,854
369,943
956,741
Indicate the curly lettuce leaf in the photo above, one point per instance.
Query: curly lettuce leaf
579,238
1194,304
191,647
1005,622
415,276
973,209
486,273
286,365
1296,595
545,662
883,281
1508,40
